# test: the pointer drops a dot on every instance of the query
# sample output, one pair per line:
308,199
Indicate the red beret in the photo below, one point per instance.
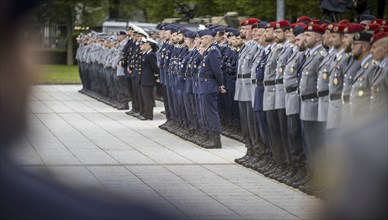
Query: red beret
283,24
352,28
314,28
250,21
378,36
304,19
382,29
372,27
328,27
338,28
272,24
344,21
377,21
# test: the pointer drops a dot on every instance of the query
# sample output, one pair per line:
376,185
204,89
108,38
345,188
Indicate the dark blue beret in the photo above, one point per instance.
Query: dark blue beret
262,24
367,17
219,28
229,29
206,32
320,22
190,34
298,30
235,33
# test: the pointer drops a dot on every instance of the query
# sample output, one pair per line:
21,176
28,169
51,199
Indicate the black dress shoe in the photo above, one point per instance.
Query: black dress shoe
141,118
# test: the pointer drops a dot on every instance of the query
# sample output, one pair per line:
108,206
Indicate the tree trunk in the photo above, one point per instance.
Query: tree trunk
70,30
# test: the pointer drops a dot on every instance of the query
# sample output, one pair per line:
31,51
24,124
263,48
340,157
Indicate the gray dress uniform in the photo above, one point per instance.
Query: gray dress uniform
308,84
255,62
281,64
380,88
290,78
270,77
243,82
349,69
361,89
335,89
325,68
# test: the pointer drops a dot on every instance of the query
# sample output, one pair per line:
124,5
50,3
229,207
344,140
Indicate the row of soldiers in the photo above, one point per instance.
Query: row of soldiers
292,88
289,88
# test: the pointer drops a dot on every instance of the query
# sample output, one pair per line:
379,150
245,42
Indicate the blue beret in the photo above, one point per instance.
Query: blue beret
234,32
206,32
182,31
262,24
190,34
229,29
219,28
367,17
320,22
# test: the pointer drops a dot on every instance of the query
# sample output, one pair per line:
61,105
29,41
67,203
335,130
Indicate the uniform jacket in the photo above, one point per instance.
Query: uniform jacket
210,73
281,64
149,69
243,85
290,78
308,84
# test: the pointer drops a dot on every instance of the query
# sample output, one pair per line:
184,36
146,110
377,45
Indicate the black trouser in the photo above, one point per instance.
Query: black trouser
294,130
314,140
284,134
147,93
249,126
137,104
274,130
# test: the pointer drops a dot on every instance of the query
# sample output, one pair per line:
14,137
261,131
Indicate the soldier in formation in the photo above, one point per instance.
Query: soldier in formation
286,90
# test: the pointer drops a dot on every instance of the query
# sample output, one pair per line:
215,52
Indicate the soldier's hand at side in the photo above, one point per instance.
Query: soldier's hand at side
222,89
157,80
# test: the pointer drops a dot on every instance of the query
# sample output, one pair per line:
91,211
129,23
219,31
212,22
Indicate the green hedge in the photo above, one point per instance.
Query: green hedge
52,56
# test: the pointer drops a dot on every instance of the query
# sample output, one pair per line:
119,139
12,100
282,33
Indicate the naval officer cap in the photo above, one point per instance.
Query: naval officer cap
207,32
122,32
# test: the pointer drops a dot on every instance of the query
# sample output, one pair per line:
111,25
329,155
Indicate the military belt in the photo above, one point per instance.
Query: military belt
335,96
346,98
257,82
323,93
309,96
207,76
270,83
243,76
291,89
279,81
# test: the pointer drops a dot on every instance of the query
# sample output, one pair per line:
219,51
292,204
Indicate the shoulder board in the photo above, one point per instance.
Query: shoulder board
366,65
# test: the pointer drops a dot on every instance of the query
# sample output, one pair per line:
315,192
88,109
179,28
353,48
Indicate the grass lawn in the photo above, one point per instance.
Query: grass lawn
61,74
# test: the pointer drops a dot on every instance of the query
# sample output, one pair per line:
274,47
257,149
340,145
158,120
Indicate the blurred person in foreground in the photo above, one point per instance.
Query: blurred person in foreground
359,188
25,195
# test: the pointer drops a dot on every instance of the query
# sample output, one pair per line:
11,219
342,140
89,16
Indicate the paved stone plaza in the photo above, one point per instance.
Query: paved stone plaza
85,143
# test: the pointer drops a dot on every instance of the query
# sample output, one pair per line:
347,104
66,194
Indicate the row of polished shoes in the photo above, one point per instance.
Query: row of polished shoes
107,100
232,132
205,140
137,115
296,177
